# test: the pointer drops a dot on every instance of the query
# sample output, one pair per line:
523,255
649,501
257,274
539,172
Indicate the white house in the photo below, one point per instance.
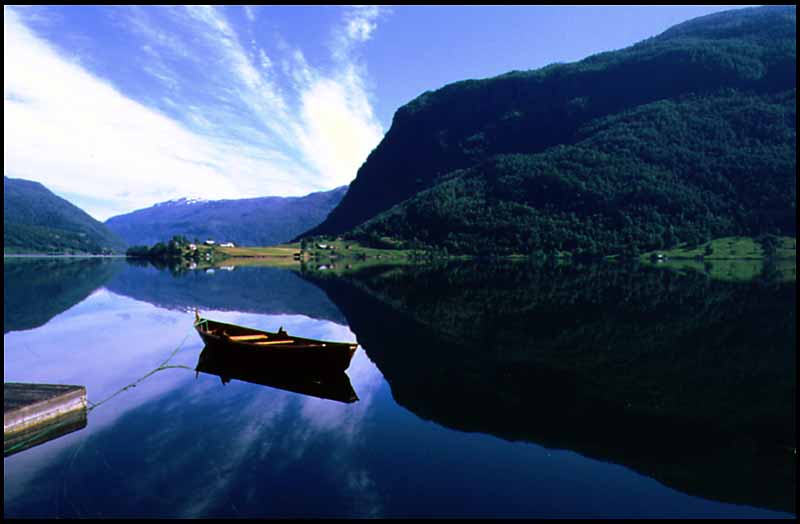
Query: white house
210,242
227,244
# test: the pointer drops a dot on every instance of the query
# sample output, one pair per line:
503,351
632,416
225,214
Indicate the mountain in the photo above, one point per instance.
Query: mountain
37,221
683,136
251,221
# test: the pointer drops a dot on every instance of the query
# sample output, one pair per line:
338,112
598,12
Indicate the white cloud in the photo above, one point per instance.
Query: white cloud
252,136
334,119
250,12
360,22
360,29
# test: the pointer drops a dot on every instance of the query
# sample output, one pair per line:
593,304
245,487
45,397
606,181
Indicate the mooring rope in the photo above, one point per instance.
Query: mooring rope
38,435
93,405
164,365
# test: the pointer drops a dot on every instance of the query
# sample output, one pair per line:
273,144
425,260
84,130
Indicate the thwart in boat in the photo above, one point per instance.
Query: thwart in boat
283,349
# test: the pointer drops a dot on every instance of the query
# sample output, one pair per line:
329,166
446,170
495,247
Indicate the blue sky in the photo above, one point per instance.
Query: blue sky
118,108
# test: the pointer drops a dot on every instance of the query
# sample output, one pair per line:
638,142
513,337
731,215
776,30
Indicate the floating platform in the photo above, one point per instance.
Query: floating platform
37,413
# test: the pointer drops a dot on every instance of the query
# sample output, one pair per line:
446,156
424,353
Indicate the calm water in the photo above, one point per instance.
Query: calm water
483,391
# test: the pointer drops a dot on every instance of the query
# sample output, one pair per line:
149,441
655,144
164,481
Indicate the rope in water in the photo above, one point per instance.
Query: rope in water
39,435
164,365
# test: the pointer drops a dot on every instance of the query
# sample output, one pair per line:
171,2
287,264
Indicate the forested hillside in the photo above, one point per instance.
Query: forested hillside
723,165
684,135
37,221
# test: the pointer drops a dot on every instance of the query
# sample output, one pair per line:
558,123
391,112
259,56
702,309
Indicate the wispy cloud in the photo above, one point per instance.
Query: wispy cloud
360,22
217,119
250,12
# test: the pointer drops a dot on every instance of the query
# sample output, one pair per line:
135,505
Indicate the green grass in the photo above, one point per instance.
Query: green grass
282,251
731,259
351,249
739,248
349,266
339,256
258,262
788,248
732,270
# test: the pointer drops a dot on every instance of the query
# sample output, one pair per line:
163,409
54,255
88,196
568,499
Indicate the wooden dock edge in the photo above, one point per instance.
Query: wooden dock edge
39,405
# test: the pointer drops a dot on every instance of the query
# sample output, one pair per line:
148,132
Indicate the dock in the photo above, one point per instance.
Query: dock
37,413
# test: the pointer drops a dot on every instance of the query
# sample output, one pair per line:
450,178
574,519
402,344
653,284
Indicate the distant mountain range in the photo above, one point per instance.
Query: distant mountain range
251,221
683,137
37,221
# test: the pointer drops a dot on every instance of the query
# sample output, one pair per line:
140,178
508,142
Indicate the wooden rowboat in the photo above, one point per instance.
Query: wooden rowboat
283,350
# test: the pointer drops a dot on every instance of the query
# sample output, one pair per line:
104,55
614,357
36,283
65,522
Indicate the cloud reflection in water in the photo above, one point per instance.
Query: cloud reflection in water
215,445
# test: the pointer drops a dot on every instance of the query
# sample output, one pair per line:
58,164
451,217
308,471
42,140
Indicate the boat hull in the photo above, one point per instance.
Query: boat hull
296,353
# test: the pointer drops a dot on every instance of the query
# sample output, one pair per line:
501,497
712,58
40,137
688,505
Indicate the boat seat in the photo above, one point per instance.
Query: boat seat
247,338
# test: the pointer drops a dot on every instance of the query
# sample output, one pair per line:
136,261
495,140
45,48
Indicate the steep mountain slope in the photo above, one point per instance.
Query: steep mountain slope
723,165
37,221
745,57
251,221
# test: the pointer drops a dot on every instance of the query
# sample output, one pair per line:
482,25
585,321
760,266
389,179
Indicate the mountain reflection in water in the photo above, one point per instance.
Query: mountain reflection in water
683,378
675,377
37,289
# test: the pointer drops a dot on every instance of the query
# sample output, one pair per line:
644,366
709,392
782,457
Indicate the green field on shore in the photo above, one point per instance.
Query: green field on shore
739,248
729,258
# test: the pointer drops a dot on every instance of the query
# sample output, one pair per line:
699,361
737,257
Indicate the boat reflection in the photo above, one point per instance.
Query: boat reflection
260,369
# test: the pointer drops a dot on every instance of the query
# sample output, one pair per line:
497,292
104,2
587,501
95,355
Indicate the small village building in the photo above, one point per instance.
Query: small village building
192,247
210,242
227,244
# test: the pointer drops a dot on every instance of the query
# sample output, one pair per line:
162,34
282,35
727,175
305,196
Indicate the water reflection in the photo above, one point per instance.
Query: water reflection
16,442
687,379
257,370
264,290
37,289
191,427
179,444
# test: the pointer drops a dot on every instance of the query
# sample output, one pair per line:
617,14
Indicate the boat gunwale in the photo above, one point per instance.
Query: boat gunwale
307,343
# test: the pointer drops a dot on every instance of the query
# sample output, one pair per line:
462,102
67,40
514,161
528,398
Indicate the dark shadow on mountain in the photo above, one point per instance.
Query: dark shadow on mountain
262,290
37,289
685,379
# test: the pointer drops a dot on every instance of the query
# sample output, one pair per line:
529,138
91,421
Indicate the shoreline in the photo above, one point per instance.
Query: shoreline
41,255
